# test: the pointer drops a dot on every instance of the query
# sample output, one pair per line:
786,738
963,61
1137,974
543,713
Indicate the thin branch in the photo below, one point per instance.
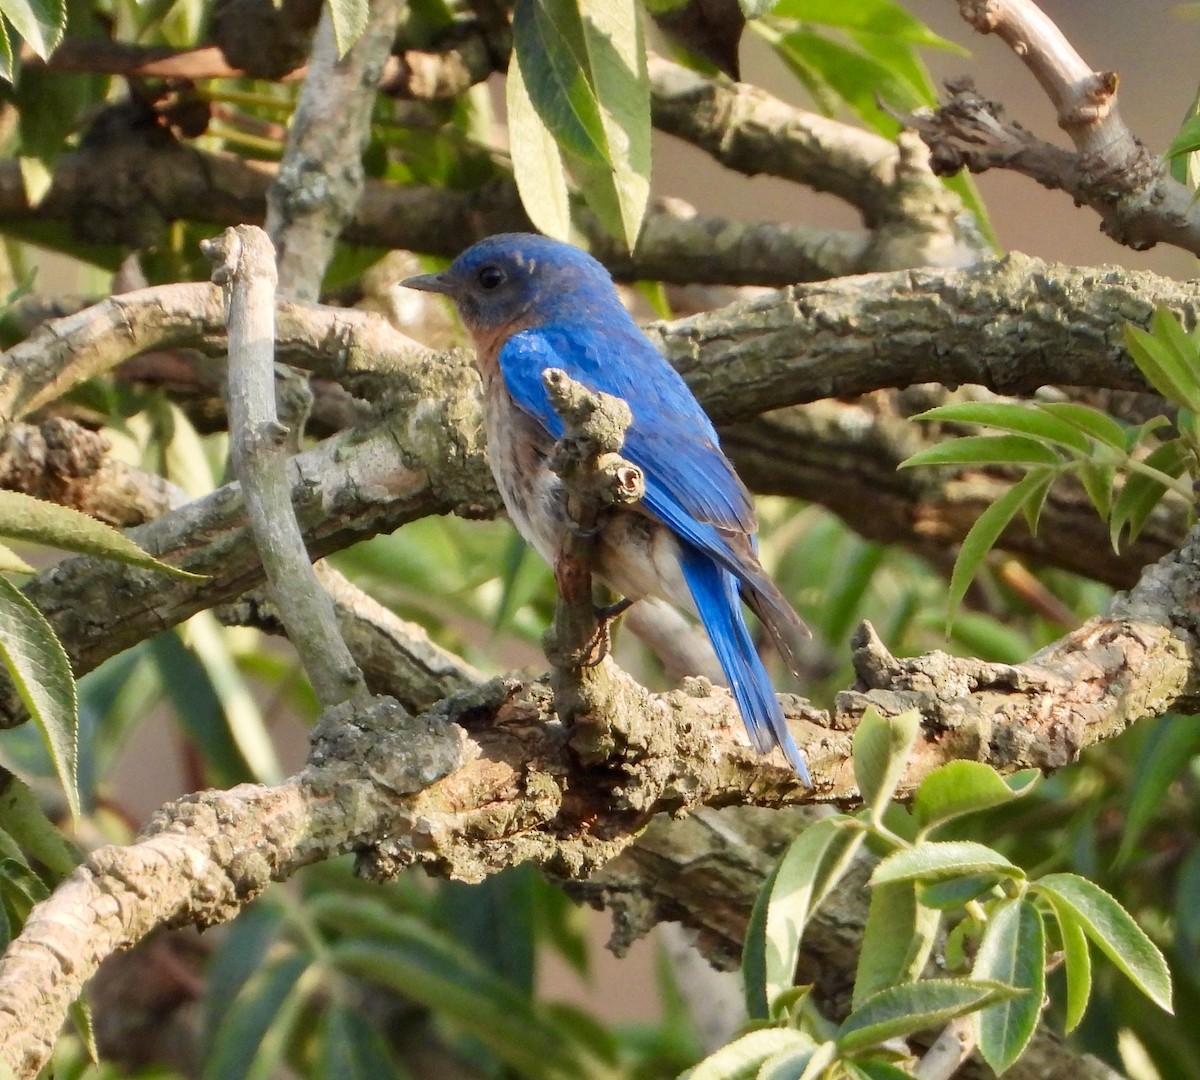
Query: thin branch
320,179
63,462
244,262
1110,170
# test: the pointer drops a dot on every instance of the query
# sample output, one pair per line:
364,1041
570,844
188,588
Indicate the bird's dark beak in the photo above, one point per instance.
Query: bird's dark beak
438,283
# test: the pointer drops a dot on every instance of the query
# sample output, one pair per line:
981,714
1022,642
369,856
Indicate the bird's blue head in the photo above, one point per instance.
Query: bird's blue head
521,279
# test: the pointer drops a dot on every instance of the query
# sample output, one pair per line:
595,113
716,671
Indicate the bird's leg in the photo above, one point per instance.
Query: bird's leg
601,644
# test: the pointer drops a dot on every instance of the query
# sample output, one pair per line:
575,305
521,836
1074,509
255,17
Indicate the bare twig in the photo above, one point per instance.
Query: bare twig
320,179
245,264
1110,170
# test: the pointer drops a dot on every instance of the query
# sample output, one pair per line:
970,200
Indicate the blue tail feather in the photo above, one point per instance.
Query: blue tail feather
718,601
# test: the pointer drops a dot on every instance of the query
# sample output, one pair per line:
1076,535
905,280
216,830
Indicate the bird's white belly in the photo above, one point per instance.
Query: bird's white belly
636,557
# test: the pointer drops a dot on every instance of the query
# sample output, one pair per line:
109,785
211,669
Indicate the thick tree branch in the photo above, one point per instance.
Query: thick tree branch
518,793
1011,325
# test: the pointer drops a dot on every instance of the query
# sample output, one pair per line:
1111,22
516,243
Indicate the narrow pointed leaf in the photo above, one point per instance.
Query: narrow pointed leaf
251,1040
42,675
912,1007
1012,952
1007,416
23,517
1160,361
754,953
1164,756
1077,963
39,23
349,18
899,937
937,860
353,1048
1183,351
986,531
985,450
883,17
1097,479
742,1058
815,861
954,893
1100,426
1140,494
537,162
12,563
1112,928
23,819
881,749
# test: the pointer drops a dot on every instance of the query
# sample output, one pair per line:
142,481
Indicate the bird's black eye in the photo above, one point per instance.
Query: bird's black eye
490,277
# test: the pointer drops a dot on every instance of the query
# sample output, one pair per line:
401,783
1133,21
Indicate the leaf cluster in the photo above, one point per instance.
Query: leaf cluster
990,930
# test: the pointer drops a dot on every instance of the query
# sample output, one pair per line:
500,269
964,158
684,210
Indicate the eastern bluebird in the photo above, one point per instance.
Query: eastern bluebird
533,303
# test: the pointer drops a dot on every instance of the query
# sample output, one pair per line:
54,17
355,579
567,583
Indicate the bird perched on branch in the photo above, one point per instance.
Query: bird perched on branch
532,303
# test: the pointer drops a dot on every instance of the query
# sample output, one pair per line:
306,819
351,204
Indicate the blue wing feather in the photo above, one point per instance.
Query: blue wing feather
670,439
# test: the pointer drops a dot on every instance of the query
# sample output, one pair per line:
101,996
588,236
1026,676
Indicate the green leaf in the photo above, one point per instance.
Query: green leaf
881,747
1077,963
494,919
40,23
985,450
810,867
7,70
937,860
883,17
537,162
23,517
917,1006
1112,928
242,952
349,18
253,1037
986,531
1100,426
1186,140
583,64
42,675
21,888
1008,416
353,1048
799,1063
754,952
80,1014
1012,952
12,563
874,1070
23,819
848,74
1166,356
899,936
1140,494
742,1058
955,893
1097,479
403,953
964,787
1165,755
